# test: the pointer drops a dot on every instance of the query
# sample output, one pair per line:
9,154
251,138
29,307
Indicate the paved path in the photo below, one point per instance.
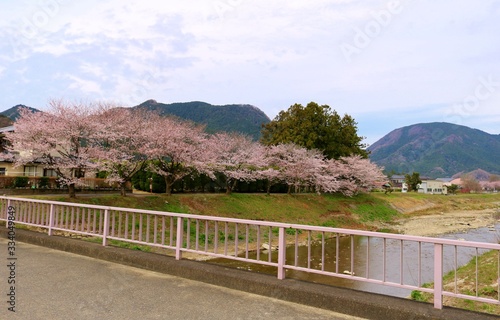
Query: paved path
52,284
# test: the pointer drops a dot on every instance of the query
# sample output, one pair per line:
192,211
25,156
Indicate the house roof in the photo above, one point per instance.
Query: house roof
7,129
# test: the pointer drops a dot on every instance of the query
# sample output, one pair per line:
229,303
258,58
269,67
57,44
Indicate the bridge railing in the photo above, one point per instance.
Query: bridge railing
392,260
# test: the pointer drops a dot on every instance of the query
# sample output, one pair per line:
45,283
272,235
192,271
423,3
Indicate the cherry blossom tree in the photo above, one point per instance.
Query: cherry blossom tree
297,166
176,149
237,157
357,174
118,146
59,139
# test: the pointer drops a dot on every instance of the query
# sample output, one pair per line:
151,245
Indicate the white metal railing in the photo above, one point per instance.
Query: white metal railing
393,260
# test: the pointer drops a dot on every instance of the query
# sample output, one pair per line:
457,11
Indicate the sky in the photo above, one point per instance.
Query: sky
388,64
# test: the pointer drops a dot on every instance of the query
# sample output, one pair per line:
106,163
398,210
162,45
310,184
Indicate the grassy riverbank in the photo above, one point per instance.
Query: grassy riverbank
374,211
464,282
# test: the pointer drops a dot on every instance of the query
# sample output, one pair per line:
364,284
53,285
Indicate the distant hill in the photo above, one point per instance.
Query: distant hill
241,118
13,113
437,150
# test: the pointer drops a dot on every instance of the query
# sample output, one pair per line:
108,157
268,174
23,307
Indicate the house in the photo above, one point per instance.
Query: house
432,187
397,180
429,186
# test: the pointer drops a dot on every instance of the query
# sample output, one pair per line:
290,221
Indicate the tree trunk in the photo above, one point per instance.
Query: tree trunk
268,189
289,189
71,190
168,186
230,185
123,191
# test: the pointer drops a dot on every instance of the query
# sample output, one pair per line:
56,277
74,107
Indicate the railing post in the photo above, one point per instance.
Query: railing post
178,239
281,253
105,228
51,218
438,276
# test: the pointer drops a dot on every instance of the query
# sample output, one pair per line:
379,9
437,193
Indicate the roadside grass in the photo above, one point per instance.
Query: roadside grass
487,286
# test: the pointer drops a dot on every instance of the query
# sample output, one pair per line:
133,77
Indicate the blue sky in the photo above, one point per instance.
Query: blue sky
386,63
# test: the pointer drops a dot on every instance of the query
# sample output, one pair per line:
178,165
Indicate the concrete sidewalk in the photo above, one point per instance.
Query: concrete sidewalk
52,284
66,286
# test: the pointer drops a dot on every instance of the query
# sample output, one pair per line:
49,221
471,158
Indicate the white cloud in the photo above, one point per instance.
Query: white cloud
85,86
267,53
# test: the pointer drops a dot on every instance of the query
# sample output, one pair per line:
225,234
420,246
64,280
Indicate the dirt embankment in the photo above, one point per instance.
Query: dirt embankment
425,217
449,222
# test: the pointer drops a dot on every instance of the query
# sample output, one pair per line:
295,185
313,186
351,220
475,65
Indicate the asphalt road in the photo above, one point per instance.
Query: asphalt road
52,284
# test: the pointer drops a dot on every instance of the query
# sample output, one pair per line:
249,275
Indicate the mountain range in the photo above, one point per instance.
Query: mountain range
437,149
242,118
434,150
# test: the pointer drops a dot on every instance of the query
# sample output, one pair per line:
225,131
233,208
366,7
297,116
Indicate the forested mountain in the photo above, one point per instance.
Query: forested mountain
241,118
13,113
437,150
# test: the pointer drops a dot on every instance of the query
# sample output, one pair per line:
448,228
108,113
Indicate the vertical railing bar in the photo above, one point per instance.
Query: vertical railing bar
113,221
105,228
456,269
66,216
126,225
101,218
47,217
155,232
246,240
132,236
438,276
197,234
188,233
94,221
296,252
179,238
352,255
226,236
367,271
148,226
337,252
323,262
236,238
38,213
384,258
51,219
281,253
309,234
72,218
477,271
119,223
206,235
270,237
82,225
89,223
140,227
258,242
162,230
171,243
77,209
419,263
401,263
216,237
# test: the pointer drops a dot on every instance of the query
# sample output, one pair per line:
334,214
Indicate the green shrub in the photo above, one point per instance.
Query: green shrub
21,182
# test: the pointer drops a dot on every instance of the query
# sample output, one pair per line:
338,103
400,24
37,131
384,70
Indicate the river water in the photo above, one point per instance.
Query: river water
375,258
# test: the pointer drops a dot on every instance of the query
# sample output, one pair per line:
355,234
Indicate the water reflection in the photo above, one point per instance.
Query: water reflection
371,259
